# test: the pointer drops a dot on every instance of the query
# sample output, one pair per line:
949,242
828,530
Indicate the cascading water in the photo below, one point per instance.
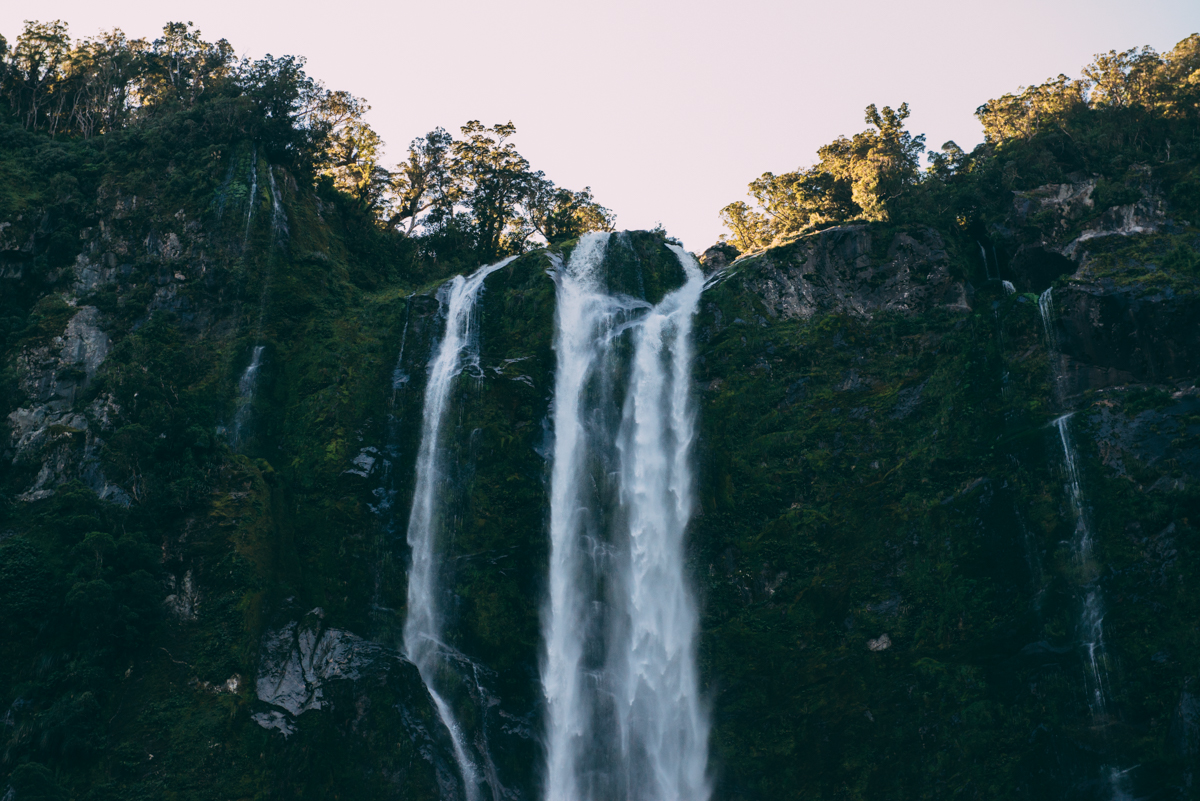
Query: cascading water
1091,616
253,192
665,731
279,226
624,716
1091,623
983,255
245,396
424,626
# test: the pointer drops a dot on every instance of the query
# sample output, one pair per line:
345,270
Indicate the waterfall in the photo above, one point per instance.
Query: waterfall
1091,612
624,716
245,396
1091,620
664,729
253,192
1009,289
279,226
983,255
1046,310
428,522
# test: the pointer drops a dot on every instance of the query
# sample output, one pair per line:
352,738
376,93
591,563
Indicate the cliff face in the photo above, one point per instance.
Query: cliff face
213,410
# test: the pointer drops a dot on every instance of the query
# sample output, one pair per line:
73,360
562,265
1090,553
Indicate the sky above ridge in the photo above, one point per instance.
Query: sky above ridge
666,109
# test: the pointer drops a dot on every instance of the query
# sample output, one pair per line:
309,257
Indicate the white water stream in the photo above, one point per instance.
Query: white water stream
624,715
253,192
245,397
428,522
1091,617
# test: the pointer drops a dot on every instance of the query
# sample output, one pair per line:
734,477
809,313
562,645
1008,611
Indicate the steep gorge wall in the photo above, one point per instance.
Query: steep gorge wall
888,608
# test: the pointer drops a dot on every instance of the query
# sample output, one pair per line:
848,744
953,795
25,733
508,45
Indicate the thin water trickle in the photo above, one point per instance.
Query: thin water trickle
624,713
428,528
245,397
253,192
983,254
1091,618
1046,310
279,226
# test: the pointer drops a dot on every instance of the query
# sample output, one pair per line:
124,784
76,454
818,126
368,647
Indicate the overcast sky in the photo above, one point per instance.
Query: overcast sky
666,109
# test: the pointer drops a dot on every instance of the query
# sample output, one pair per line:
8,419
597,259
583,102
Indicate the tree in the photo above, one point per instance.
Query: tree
35,66
494,179
751,230
884,161
1032,110
423,181
559,214
102,75
181,66
351,149
858,178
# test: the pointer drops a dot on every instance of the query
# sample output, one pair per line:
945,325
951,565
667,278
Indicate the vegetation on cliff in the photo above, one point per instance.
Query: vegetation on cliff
1131,108
889,609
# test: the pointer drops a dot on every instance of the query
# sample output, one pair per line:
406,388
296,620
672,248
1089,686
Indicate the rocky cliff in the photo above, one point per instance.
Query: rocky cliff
213,394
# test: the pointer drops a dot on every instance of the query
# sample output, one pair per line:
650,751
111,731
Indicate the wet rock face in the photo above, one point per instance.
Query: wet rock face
1065,202
361,688
298,659
50,430
1035,268
835,270
1112,336
718,257
1154,438
54,374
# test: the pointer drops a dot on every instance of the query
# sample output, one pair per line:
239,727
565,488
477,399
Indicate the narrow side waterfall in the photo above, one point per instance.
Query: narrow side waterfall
1046,310
428,522
245,396
1091,619
983,255
624,715
253,192
279,226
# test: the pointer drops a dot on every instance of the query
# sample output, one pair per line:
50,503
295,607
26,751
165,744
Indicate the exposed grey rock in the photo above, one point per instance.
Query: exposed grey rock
364,462
1185,725
907,401
718,257
84,343
1112,336
184,600
1152,438
834,270
273,719
853,382
299,658
880,643
1146,216
1068,201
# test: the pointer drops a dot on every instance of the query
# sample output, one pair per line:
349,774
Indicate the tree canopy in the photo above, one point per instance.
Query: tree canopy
1136,106
474,194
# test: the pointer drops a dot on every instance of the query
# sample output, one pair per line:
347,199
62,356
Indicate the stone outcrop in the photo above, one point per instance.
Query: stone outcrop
298,659
843,269
50,430
1110,336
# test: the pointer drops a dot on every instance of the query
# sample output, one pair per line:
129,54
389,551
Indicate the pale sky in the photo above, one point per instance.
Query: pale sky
666,109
